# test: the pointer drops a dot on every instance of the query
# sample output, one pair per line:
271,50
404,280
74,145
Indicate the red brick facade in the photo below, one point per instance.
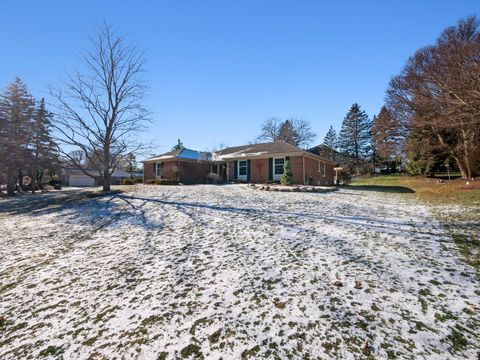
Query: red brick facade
259,171
187,172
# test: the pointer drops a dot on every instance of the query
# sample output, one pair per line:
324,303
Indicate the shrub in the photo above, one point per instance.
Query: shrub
127,182
414,168
166,182
287,176
138,180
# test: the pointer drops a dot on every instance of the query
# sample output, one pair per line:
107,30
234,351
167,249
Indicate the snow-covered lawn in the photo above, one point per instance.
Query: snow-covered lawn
226,271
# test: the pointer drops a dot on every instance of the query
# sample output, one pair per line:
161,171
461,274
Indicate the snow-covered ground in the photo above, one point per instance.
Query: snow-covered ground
229,272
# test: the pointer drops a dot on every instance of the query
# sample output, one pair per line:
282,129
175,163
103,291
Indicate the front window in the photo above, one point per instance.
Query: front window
242,168
321,168
159,169
278,166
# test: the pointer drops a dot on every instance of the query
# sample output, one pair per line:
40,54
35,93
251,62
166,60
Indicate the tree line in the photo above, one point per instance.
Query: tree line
27,146
431,116
430,120
97,111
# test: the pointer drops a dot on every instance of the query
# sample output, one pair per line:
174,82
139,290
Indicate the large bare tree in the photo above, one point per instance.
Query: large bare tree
293,131
100,109
438,93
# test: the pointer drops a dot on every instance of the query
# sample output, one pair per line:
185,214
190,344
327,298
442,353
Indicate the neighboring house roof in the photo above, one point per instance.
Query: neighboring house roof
93,172
327,152
260,150
184,153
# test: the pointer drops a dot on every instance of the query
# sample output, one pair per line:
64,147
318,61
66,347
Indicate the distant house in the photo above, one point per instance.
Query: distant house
261,163
77,178
184,165
329,153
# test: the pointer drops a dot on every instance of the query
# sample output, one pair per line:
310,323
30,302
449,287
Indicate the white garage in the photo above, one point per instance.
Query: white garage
77,178
80,180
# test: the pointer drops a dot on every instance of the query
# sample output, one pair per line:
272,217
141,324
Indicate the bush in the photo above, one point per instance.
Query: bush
127,182
162,182
287,176
414,168
138,180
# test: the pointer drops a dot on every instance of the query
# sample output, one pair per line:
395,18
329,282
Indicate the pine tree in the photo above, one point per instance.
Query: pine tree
16,111
331,142
355,134
178,145
287,176
331,139
44,148
288,133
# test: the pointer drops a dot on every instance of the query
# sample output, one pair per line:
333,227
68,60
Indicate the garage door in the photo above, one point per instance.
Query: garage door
81,180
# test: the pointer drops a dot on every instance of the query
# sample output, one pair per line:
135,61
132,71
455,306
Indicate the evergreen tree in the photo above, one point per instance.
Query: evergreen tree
43,147
16,111
331,142
331,139
178,145
287,176
355,134
288,133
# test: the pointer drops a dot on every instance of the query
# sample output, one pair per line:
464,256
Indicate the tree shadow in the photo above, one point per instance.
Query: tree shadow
380,188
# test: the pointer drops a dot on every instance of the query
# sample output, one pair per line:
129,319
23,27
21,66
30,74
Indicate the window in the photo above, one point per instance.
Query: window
215,168
159,169
278,166
242,168
321,168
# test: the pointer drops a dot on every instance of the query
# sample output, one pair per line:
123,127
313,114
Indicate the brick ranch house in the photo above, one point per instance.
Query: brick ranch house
262,163
257,163
184,165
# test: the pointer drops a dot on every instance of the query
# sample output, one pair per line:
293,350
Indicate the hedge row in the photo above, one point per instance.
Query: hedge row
163,182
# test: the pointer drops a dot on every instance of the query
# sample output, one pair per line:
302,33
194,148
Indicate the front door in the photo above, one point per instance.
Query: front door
278,164
242,170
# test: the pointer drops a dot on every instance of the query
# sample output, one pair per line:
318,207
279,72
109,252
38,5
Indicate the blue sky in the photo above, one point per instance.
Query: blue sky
218,69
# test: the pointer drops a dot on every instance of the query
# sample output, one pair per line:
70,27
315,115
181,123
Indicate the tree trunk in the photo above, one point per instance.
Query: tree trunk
106,178
33,178
460,163
10,185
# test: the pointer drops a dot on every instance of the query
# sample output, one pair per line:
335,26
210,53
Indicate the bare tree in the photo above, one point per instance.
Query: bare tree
101,109
270,129
293,131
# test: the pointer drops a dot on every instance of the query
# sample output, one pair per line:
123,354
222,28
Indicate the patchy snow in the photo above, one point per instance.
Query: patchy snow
223,271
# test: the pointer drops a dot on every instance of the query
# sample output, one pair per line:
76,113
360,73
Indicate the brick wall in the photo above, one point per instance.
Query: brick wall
148,171
296,163
259,170
185,171
193,173
314,177
170,170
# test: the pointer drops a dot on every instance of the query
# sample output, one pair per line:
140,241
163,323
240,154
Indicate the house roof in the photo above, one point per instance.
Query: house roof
275,147
93,172
184,153
261,150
